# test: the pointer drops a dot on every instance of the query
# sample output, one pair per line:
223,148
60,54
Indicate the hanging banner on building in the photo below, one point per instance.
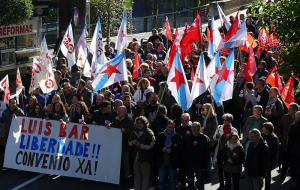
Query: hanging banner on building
67,149
29,27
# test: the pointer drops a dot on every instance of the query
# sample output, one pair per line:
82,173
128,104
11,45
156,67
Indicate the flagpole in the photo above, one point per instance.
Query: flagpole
162,95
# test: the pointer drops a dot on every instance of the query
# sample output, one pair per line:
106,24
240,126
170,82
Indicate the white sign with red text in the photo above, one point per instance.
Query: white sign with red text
29,27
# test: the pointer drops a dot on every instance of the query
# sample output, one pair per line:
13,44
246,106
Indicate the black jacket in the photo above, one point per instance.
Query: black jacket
184,130
158,125
176,149
197,151
100,118
294,139
273,143
262,97
211,126
257,161
237,156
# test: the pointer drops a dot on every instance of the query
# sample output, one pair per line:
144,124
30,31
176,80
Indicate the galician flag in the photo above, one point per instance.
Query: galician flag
239,39
122,36
213,67
201,80
223,18
178,85
215,42
67,46
97,49
113,71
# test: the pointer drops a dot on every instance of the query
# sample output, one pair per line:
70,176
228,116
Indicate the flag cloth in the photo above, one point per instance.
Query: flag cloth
113,71
192,73
222,83
167,58
174,48
213,67
186,27
67,46
234,27
136,65
178,85
263,38
287,93
273,79
250,68
82,54
239,39
37,74
48,83
194,32
44,55
122,36
201,80
215,41
168,29
223,18
273,41
19,85
4,85
250,40
97,49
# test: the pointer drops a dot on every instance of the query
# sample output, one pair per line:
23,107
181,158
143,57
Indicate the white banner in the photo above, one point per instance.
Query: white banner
29,27
83,151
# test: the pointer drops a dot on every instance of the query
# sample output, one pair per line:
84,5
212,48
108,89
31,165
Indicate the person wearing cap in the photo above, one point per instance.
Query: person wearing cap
154,37
222,136
159,52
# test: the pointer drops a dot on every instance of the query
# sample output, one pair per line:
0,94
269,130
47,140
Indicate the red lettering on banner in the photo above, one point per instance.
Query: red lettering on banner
22,29
17,29
73,132
31,129
40,127
4,31
23,124
26,29
12,30
0,31
8,30
84,130
62,130
48,132
30,28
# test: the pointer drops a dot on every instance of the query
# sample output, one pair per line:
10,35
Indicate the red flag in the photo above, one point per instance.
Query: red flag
234,27
223,51
258,50
249,41
186,28
250,68
136,65
168,29
273,78
174,48
194,32
263,38
192,73
273,41
287,93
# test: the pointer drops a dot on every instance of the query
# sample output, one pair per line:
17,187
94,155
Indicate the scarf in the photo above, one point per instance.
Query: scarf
271,101
232,146
204,120
168,142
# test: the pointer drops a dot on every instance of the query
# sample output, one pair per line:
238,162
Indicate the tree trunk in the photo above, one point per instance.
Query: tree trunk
195,4
154,13
168,7
108,23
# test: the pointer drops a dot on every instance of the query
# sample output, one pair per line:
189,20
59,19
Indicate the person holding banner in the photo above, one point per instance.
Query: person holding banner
12,111
38,111
103,116
82,114
58,113
142,140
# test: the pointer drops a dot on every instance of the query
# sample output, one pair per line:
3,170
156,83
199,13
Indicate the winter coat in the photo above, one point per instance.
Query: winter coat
210,128
248,125
237,156
196,151
140,95
284,125
60,115
100,118
273,143
176,150
7,117
222,138
158,125
294,139
144,153
128,125
258,159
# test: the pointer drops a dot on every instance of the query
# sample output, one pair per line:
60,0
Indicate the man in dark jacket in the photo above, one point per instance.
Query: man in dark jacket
262,93
86,93
257,161
98,103
294,148
158,125
169,147
7,115
284,125
273,144
142,140
123,122
104,116
196,156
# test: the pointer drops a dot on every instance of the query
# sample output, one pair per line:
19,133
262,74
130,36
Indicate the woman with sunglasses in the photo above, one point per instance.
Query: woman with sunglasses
233,157
222,136
208,119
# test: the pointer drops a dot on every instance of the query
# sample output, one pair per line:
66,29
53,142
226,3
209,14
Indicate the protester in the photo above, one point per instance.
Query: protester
82,114
257,161
103,116
233,157
142,140
58,113
196,156
38,111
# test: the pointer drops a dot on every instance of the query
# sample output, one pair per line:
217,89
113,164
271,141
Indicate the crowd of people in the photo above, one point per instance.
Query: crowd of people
248,136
